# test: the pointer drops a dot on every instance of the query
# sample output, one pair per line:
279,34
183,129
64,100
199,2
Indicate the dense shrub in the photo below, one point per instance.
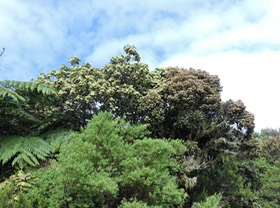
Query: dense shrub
269,193
108,162
210,202
225,176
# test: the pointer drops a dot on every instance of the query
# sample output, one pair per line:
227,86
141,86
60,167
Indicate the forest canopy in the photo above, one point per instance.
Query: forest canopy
128,136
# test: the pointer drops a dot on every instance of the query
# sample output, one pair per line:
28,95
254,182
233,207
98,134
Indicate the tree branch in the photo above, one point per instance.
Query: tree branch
3,50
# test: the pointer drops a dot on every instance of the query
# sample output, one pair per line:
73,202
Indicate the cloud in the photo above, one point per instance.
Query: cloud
37,36
185,27
238,40
253,78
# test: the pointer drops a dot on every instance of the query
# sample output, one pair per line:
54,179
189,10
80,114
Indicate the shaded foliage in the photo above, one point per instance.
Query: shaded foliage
226,177
17,111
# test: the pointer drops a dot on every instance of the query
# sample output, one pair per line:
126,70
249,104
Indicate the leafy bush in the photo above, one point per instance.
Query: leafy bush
210,202
269,193
224,176
135,204
12,191
108,162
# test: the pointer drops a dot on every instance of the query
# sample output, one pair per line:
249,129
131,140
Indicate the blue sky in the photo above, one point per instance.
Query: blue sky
238,40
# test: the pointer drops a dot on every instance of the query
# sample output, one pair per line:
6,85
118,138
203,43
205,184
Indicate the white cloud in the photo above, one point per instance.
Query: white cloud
253,78
228,38
37,36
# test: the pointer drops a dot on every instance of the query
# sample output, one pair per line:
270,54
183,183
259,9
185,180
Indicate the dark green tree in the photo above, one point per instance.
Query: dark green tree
225,177
268,195
186,101
186,104
17,115
108,163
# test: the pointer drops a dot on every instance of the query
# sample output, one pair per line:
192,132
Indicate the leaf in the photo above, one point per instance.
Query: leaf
6,92
23,151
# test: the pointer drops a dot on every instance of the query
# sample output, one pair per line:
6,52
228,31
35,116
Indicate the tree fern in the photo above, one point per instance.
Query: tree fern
18,101
23,151
57,138
6,92
24,86
14,119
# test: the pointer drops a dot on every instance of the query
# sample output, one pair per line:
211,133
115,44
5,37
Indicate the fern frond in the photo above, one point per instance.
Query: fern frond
23,151
46,89
31,156
29,86
6,92
19,113
57,138
24,158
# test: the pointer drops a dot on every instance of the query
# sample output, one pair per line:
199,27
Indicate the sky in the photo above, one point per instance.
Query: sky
238,40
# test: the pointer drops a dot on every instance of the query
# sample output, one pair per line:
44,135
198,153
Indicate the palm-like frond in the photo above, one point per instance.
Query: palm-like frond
23,151
29,86
6,92
57,138
17,104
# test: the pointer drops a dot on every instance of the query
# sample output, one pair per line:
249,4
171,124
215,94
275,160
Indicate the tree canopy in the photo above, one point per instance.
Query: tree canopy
125,135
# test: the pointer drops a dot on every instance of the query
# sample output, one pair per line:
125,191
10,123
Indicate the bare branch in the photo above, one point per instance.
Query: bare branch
3,50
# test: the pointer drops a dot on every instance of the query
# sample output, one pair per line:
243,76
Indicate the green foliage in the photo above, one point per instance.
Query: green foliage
8,200
108,162
269,193
12,191
79,89
213,201
135,204
112,163
127,82
6,92
23,151
29,86
271,149
225,176
189,98
57,138
16,106
269,133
